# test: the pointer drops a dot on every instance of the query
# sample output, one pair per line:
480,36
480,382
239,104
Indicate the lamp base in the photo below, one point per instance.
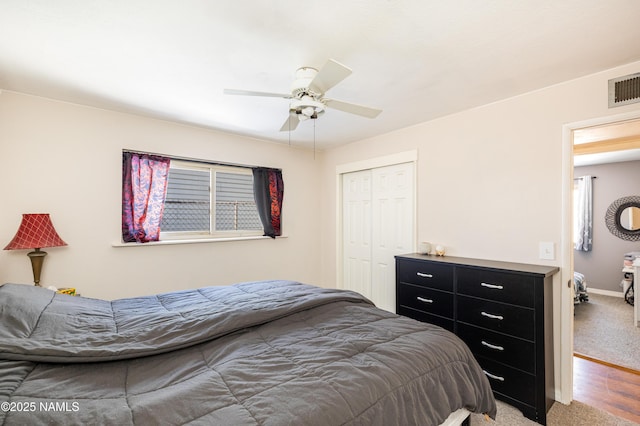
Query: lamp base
37,258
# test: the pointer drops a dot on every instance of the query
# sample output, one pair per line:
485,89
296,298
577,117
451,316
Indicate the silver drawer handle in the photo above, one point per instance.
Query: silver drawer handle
497,287
422,299
492,316
493,376
490,346
420,274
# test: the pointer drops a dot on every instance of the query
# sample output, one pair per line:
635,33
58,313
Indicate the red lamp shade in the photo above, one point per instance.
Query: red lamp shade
36,231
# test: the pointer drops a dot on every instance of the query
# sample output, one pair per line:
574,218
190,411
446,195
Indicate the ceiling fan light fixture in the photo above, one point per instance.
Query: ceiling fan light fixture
307,108
308,111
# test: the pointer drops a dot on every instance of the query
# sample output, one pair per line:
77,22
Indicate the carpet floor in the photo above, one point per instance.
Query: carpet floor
603,329
575,414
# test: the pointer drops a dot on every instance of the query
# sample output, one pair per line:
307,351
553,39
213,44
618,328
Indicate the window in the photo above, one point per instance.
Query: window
205,200
188,199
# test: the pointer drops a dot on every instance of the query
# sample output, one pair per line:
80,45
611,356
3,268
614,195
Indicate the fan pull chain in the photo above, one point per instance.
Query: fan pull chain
289,123
314,139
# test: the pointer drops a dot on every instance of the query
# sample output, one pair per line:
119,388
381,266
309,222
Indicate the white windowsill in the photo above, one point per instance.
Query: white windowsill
194,241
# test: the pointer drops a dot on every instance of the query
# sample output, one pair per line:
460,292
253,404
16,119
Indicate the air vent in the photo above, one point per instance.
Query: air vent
624,90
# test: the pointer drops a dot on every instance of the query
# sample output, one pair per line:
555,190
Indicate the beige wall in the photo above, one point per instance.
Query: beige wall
65,160
489,179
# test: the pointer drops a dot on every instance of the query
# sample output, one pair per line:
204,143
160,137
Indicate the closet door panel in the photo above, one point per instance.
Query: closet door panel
356,233
392,201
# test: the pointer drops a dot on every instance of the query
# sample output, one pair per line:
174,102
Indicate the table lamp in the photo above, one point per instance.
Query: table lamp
35,232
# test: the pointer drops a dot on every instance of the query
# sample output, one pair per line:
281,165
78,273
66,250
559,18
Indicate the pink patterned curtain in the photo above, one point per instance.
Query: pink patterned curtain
144,188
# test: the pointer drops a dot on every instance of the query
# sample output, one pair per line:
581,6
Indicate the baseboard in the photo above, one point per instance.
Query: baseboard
605,292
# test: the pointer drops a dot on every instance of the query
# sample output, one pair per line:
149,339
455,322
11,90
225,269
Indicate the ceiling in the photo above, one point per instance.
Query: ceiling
414,59
610,143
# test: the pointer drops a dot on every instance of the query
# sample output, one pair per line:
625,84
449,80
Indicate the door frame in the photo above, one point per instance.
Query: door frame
372,163
566,312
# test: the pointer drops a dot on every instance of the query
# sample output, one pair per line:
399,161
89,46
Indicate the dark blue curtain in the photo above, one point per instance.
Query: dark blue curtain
268,191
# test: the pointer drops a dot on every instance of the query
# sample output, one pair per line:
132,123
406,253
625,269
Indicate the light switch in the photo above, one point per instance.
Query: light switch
547,251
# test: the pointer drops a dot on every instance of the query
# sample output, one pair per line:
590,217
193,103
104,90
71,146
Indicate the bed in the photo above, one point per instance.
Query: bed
258,353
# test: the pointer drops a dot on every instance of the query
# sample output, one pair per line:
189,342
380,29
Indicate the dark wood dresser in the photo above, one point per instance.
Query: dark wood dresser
503,311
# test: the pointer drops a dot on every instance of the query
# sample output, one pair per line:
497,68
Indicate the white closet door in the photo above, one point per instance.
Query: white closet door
378,223
392,228
356,231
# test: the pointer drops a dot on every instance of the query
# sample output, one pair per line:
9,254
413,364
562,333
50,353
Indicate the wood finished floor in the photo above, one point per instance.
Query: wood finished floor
612,389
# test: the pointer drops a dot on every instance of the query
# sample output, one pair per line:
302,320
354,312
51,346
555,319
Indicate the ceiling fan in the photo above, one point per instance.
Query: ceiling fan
307,94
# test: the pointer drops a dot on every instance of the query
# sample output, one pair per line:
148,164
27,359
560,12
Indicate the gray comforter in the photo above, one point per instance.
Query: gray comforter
268,353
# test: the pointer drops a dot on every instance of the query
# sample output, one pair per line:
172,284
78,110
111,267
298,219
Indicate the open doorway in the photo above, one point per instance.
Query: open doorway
608,156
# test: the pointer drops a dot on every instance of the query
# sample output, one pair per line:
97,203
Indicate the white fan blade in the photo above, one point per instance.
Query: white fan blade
352,108
332,73
291,123
251,93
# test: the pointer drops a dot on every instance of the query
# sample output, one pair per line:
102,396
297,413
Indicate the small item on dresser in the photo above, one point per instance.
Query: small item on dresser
440,250
67,290
424,248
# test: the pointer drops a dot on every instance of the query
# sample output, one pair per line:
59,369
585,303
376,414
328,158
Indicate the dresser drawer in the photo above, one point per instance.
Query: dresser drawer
508,381
443,322
507,319
499,286
508,350
425,299
425,273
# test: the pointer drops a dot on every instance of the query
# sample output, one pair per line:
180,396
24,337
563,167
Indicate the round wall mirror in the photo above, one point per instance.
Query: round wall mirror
630,218
623,218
